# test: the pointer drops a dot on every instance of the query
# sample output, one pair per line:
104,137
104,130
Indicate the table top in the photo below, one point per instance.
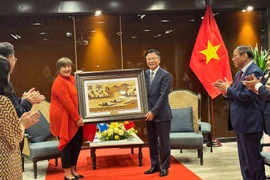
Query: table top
125,142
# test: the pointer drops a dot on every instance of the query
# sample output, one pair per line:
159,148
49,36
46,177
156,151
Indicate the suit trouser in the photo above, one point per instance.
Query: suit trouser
70,154
158,133
251,161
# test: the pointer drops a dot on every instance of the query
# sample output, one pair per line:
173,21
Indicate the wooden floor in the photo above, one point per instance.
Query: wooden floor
222,164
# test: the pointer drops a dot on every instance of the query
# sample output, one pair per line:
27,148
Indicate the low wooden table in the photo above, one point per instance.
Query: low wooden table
128,143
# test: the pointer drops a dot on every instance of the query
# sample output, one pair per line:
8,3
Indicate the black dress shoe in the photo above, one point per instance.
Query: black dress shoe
70,179
164,172
152,170
78,176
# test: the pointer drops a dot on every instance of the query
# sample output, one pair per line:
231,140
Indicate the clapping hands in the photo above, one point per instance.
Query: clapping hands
33,96
28,119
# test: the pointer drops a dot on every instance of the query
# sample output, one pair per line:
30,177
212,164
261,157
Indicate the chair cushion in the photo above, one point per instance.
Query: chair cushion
40,131
182,120
43,149
186,139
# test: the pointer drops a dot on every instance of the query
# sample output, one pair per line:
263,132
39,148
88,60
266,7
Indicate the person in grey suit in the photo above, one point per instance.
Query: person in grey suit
254,84
158,119
246,114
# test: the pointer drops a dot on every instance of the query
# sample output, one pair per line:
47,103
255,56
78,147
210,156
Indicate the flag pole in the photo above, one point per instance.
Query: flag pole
211,116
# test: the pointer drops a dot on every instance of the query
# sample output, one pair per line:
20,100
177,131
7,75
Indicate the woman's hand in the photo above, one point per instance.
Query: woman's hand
80,122
28,119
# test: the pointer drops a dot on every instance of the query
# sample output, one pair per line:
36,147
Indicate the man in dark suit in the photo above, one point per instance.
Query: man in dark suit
246,114
158,119
254,84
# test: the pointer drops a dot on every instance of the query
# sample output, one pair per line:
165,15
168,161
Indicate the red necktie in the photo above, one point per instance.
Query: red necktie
238,78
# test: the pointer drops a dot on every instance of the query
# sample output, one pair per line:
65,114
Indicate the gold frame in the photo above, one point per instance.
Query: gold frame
115,95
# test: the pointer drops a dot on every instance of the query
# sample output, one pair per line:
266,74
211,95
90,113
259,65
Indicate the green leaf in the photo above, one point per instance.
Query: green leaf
260,57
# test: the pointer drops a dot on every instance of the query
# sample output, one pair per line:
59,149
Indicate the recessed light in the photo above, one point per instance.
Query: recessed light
244,10
45,39
249,8
98,13
42,33
68,34
134,37
101,22
147,30
164,20
36,24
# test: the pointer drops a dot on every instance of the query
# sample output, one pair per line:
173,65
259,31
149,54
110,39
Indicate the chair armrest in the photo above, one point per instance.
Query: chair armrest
27,136
200,128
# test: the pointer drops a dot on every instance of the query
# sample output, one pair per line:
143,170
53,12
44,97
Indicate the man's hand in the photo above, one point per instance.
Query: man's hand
34,97
251,81
222,86
149,116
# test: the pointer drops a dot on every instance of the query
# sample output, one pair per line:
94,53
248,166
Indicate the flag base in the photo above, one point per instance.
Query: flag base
215,143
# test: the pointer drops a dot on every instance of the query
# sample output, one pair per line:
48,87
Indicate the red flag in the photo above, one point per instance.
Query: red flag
89,132
209,59
129,124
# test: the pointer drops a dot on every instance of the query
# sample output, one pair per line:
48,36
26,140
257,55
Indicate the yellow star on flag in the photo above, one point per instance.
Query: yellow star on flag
210,52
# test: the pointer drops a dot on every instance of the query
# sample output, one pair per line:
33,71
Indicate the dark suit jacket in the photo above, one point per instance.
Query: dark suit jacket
21,106
158,95
246,107
264,93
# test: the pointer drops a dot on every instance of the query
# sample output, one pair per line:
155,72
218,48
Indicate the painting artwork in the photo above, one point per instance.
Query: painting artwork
112,95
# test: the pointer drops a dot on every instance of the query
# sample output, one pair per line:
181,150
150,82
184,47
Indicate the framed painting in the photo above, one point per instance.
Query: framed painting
116,95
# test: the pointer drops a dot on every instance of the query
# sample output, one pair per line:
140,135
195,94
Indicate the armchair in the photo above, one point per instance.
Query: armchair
185,130
37,145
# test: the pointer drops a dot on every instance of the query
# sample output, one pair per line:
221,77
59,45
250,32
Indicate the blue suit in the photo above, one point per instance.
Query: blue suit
159,128
246,118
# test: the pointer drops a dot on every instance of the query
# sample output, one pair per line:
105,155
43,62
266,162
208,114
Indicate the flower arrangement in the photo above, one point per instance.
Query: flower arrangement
116,131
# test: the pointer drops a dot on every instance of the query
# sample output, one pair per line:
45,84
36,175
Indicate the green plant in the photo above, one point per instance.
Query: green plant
260,57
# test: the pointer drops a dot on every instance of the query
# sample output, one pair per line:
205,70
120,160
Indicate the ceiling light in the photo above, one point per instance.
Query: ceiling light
101,22
98,13
45,39
134,37
164,20
142,16
147,30
15,37
68,34
191,20
244,10
249,8
42,33
36,24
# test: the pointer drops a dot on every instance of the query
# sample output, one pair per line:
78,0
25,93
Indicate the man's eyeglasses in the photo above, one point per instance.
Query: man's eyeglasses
153,58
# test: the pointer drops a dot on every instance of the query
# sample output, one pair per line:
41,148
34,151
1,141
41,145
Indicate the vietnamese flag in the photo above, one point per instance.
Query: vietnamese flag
209,59
89,132
129,124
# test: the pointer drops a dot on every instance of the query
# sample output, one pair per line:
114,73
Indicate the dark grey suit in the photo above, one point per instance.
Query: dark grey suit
264,93
160,126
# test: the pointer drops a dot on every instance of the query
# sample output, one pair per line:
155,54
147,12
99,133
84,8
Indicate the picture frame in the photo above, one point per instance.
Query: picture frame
115,95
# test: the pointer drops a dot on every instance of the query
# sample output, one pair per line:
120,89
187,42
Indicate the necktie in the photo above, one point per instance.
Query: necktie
238,78
151,77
